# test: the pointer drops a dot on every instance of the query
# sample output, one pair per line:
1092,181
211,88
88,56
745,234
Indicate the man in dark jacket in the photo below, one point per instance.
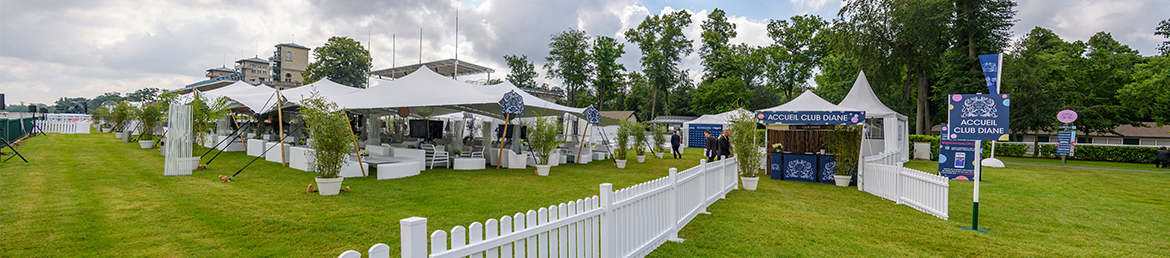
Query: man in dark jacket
712,147
675,142
1162,158
724,144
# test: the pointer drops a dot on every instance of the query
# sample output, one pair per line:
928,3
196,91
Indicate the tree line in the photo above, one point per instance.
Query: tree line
914,53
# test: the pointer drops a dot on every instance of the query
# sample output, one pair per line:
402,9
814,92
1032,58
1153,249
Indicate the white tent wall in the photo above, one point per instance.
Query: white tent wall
894,135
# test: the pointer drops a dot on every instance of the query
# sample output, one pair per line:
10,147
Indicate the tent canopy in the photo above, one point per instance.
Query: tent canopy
324,87
718,119
257,98
809,101
861,97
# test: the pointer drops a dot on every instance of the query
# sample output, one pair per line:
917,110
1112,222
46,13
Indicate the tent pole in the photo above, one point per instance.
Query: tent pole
245,142
280,128
355,146
582,145
500,157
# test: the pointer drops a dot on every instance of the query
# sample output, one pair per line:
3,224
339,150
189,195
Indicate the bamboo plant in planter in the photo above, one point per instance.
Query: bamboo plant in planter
746,149
120,116
659,138
331,138
149,115
623,141
640,141
845,142
543,138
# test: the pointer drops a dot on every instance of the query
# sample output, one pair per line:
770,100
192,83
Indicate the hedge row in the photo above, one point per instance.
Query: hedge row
1131,154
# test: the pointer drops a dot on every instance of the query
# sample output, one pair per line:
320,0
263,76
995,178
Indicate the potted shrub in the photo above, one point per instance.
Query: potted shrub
623,141
639,132
149,115
331,138
745,149
120,116
204,114
100,115
659,138
542,137
845,142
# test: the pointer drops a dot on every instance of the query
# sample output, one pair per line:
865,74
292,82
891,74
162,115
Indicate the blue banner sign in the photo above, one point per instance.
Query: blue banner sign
695,138
800,167
977,117
992,67
1066,142
811,117
956,159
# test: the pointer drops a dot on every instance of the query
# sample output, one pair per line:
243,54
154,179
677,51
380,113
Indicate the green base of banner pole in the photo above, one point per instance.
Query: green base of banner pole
975,220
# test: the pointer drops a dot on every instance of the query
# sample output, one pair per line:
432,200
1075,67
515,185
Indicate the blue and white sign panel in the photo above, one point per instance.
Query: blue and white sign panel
776,168
695,137
811,117
992,66
828,169
592,115
1066,142
512,103
800,167
956,159
978,116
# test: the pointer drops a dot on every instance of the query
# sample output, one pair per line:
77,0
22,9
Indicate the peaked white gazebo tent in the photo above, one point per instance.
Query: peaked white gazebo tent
886,130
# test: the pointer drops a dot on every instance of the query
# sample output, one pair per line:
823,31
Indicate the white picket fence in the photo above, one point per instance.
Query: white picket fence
890,158
630,222
923,191
65,123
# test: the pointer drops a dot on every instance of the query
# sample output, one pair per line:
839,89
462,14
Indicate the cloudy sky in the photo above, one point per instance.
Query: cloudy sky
83,48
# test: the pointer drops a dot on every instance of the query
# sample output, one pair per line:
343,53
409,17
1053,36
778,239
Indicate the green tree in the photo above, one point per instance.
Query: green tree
910,35
836,78
143,94
980,27
1152,76
608,75
1164,30
661,40
717,33
342,60
1093,83
720,95
569,60
799,47
1033,83
523,72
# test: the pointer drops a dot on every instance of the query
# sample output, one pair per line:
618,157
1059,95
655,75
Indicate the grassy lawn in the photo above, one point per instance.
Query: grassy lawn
1031,211
91,195
1083,163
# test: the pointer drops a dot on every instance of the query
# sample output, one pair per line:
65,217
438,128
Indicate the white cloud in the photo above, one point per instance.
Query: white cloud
809,5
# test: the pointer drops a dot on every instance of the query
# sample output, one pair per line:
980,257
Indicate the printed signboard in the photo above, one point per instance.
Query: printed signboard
1066,142
955,159
978,116
811,117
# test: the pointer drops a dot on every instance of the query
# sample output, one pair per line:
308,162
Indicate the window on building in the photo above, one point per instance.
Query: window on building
1044,138
288,77
1084,140
287,55
1130,141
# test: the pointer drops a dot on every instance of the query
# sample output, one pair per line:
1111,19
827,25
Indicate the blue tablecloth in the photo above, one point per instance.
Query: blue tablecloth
800,167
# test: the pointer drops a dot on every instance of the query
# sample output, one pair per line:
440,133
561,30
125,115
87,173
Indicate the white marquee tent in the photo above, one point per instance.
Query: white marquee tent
887,131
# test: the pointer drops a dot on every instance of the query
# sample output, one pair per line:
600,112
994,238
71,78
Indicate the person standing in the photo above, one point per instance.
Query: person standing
1162,158
675,141
724,144
712,146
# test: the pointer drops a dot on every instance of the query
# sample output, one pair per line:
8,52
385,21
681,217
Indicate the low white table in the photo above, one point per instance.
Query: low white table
469,163
397,169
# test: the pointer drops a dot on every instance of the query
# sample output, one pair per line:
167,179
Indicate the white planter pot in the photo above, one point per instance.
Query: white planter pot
329,186
621,163
542,170
641,158
658,155
126,136
842,180
106,130
146,144
117,135
750,183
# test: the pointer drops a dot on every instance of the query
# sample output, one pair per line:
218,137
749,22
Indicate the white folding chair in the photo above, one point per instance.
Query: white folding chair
436,156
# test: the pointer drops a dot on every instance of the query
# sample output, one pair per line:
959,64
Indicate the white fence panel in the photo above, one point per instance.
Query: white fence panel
923,191
64,123
629,222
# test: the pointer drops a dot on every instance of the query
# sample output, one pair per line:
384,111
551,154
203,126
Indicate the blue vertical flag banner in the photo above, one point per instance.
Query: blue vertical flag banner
956,159
592,115
1066,142
977,117
512,103
992,66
